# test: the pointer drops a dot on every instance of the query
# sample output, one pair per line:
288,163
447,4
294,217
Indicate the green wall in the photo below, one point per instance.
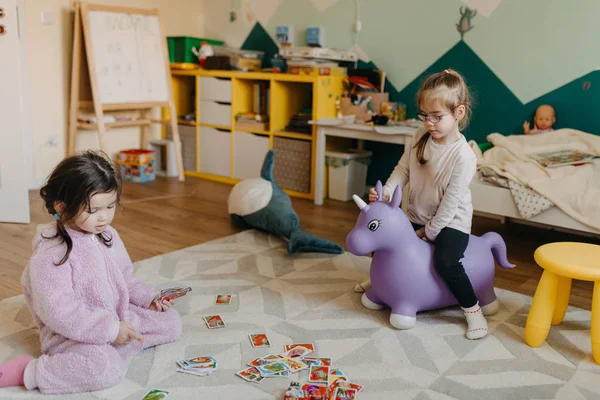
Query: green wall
526,53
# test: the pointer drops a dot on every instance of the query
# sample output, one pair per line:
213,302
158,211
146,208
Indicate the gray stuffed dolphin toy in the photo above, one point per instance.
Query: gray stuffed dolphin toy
260,203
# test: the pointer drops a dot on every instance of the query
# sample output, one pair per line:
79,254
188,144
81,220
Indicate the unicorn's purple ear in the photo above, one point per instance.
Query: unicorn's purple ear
379,190
397,197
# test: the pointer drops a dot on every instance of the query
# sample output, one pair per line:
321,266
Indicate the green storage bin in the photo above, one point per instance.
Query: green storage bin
180,48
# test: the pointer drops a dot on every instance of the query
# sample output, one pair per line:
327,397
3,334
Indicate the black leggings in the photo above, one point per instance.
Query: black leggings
449,248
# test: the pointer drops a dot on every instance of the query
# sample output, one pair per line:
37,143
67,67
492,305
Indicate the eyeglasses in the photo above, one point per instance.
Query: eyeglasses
432,118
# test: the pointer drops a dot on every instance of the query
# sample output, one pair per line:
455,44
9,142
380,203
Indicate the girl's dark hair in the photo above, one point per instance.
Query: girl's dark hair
72,184
450,89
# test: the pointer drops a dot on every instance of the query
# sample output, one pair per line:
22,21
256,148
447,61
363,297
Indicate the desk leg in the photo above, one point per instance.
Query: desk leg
542,308
595,324
319,166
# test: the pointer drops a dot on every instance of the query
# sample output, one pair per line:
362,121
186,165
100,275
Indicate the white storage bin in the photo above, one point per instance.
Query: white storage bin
347,173
250,151
189,145
215,113
215,152
215,89
165,162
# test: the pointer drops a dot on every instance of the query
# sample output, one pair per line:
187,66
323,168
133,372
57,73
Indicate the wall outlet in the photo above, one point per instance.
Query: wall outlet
47,17
51,141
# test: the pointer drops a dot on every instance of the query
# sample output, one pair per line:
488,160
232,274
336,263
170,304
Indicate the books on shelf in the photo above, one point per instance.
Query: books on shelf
562,157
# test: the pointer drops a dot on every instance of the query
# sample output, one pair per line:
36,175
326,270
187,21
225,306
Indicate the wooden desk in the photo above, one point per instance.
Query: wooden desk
396,135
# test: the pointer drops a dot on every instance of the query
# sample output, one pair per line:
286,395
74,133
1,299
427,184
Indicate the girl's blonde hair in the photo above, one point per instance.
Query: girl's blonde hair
450,89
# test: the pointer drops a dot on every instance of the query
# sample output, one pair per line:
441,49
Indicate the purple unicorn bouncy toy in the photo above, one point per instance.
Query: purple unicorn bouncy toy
402,272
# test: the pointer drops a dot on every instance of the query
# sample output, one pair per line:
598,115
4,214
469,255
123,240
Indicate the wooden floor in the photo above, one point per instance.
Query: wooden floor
166,215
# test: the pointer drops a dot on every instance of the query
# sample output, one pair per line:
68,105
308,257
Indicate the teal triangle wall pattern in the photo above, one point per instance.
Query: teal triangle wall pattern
259,39
496,108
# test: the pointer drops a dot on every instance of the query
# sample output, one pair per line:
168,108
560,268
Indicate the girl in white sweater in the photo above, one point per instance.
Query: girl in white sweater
440,167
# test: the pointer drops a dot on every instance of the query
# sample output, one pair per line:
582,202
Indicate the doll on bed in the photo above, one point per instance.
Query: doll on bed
543,120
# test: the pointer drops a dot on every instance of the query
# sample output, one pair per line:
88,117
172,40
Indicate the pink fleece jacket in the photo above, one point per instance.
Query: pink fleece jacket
78,307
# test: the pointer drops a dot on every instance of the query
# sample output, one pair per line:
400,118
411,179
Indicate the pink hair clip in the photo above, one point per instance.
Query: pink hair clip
446,71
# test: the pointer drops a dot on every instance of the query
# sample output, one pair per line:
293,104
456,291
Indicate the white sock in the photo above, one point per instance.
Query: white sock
476,323
29,377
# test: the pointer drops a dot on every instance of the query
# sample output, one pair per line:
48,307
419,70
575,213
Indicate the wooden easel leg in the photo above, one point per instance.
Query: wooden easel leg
176,139
75,81
145,129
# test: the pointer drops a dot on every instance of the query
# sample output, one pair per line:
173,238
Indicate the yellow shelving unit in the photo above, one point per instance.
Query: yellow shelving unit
213,148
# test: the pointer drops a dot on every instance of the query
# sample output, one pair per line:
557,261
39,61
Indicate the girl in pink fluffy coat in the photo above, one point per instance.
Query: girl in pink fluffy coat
93,314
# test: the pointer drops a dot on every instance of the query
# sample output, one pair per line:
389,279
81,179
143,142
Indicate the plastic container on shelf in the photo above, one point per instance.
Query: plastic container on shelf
347,173
243,60
180,48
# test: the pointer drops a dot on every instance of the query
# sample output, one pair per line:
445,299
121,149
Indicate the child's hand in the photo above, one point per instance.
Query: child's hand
526,127
421,234
374,197
127,334
161,305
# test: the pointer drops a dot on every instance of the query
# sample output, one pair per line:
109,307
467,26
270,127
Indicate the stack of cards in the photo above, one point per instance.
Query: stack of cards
201,366
310,391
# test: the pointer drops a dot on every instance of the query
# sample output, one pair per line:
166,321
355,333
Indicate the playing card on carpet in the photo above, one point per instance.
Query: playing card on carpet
214,321
172,293
340,383
198,362
316,361
318,374
223,299
309,346
308,391
196,371
295,365
259,340
335,374
273,368
250,374
344,394
155,395
299,351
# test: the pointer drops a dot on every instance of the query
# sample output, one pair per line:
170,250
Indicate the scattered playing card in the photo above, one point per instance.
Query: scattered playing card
297,352
318,374
317,361
335,374
346,385
194,371
295,365
173,293
311,361
214,321
344,394
273,368
308,391
202,361
155,395
309,346
223,299
259,340
250,374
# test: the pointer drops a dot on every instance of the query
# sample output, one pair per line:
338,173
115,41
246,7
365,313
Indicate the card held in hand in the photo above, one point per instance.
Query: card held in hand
173,293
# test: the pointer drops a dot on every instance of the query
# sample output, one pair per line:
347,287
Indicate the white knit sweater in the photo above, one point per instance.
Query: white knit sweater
439,194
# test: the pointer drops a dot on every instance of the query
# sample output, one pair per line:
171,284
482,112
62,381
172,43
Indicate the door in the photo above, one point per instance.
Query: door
14,197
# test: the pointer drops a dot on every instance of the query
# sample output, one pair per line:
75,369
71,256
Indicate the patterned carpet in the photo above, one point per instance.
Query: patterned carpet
310,299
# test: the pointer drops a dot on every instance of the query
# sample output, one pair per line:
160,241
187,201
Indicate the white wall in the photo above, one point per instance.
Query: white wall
49,50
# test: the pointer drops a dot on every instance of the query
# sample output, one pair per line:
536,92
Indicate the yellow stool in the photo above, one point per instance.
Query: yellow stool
563,262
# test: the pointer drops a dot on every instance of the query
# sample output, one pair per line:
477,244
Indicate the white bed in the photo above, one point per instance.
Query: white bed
495,201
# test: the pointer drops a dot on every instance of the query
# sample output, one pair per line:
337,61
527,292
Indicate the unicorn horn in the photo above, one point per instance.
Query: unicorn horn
360,202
